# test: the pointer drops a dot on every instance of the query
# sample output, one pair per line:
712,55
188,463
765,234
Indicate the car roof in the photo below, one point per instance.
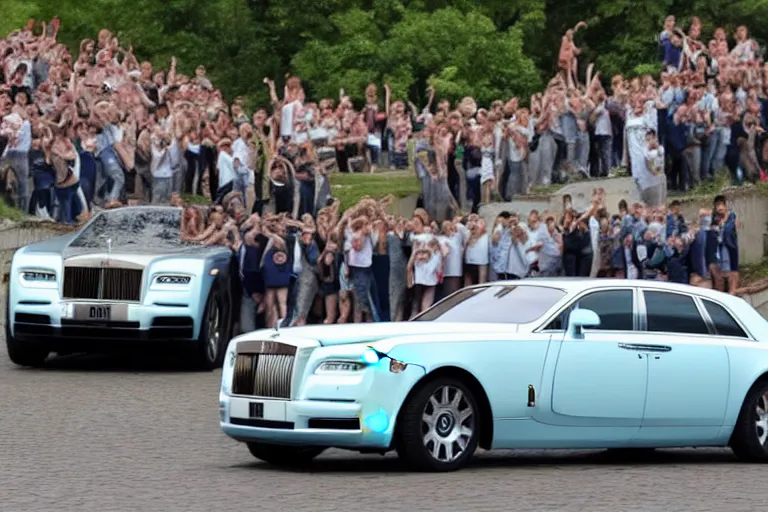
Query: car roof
572,285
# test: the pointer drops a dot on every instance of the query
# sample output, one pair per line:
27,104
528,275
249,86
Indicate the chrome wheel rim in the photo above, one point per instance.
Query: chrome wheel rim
448,424
761,423
214,334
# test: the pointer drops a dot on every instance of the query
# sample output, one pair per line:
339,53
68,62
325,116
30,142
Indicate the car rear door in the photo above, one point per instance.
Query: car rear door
688,367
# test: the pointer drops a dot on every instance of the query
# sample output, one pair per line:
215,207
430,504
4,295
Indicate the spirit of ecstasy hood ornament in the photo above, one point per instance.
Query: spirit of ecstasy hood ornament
109,248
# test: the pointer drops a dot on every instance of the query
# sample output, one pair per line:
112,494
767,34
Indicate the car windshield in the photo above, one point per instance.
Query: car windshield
133,228
494,304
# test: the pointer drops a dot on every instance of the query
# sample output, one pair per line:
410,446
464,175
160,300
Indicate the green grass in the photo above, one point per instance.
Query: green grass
753,273
545,190
195,199
10,213
351,188
711,188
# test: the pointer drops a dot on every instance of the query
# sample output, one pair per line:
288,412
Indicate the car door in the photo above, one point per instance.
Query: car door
597,382
688,368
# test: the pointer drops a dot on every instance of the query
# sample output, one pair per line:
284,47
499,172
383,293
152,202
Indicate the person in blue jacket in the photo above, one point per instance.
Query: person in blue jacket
723,247
697,250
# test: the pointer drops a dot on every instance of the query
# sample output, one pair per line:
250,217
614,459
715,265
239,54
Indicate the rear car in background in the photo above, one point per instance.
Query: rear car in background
123,281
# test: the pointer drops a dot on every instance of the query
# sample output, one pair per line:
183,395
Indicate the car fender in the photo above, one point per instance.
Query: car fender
748,366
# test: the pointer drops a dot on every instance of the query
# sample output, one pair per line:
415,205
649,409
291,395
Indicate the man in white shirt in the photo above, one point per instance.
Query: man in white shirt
520,255
165,156
358,253
244,155
226,166
603,137
16,154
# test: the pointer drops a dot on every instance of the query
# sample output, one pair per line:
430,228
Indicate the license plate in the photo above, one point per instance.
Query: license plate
256,410
100,312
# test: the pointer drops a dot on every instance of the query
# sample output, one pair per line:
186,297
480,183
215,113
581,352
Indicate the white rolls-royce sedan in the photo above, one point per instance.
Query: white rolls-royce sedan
537,363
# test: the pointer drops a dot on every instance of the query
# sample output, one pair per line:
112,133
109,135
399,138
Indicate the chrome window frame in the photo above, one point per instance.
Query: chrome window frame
698,301
583,293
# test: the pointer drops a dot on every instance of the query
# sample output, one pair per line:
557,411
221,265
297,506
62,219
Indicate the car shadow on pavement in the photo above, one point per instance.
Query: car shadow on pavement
353,463
116,362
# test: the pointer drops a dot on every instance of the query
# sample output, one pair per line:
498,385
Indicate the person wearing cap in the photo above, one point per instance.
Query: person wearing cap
226,167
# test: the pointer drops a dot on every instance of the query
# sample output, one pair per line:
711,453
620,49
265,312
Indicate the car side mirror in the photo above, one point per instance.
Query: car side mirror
579,319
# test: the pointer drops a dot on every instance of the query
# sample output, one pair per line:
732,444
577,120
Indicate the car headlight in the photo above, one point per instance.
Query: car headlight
34,278
340,367
171,282
228,369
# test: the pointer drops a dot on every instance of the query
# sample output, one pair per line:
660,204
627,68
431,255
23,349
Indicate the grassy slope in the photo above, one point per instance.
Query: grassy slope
9,212
350,188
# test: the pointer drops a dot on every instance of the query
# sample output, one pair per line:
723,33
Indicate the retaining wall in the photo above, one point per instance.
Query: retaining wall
751,209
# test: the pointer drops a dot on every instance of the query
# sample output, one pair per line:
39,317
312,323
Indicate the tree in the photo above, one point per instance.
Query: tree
461,54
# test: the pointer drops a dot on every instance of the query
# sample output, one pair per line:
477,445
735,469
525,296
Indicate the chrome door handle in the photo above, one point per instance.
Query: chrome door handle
645,348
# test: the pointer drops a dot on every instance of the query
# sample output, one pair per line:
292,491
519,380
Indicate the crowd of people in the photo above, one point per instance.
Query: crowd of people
103,129
367,265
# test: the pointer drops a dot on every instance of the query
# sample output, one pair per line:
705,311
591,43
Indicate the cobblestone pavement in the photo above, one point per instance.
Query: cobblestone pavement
96,434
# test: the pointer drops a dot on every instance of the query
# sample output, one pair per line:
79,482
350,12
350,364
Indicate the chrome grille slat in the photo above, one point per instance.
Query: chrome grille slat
121,284
263,375
242,380
273,376
81,283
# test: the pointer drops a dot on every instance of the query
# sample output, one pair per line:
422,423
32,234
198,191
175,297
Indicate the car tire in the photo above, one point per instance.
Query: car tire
210,347
448,439
281,455
749,440
22,354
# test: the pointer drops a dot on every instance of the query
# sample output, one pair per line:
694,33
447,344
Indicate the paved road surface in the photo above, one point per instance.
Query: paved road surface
96,434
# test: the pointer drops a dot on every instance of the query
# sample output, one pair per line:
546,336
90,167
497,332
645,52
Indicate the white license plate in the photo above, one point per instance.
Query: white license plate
100,312
272,410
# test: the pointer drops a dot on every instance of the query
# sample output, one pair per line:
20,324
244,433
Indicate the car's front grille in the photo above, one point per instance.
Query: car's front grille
264,369
121,284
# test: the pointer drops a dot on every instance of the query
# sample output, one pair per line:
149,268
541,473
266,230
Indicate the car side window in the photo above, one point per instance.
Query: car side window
614,307
724,323
673,312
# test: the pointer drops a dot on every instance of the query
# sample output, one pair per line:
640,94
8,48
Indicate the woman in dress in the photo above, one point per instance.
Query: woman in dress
642,119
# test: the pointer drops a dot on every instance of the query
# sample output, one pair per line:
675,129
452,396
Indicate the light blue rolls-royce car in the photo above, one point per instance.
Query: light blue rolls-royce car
542,363
123,281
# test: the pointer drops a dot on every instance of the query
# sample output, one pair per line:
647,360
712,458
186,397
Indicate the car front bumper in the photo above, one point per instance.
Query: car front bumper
45,323
307,422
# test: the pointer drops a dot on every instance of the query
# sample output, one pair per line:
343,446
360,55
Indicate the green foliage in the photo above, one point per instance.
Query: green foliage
8,212
489,49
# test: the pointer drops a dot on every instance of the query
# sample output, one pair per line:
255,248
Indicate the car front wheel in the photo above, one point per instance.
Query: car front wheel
22,354
440,426
749,441
209,351
279,455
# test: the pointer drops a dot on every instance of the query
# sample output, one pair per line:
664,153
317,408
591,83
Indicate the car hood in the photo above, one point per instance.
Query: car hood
67,247
344,334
